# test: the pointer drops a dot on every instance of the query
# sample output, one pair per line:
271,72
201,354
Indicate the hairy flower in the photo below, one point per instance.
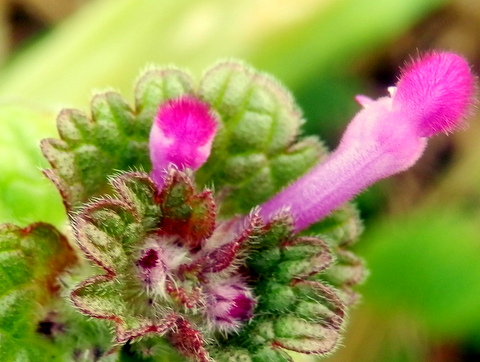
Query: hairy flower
229,304
387,136
181,135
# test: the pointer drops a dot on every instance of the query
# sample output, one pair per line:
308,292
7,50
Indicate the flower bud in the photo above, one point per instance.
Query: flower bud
181,135
387,136
229,304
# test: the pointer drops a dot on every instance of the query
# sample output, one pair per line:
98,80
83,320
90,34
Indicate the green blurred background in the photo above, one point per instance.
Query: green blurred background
421,301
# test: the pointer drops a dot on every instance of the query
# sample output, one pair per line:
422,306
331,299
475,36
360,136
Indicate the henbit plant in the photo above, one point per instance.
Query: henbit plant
164,269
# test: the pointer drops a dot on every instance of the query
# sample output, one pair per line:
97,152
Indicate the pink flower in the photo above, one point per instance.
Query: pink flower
387,136
229,304
181,135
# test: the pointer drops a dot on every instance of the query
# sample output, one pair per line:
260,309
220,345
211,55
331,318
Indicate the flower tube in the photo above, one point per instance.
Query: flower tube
433,95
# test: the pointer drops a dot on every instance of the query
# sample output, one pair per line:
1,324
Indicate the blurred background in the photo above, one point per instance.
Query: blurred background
421,301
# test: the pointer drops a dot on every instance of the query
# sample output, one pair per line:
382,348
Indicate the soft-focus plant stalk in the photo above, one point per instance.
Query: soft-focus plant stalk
108,41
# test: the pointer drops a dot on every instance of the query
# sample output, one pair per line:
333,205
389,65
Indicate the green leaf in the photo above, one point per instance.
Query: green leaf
31,259
255,151
243,355
189,215
118,232
340,230
301,258
114,138
312,325
342,227
293,312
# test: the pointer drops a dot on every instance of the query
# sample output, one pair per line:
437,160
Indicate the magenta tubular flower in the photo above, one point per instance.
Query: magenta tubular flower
181,136
433,94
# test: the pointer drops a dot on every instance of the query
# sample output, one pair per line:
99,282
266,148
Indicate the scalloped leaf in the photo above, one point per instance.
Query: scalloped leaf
310,324
301,258
114,138
114,234
100,297
279,254
254,152
31,259
341,229
110,232
150,349
186,214
293,313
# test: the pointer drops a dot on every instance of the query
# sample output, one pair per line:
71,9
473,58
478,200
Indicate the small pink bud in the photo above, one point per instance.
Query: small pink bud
387,136
229,304
181,135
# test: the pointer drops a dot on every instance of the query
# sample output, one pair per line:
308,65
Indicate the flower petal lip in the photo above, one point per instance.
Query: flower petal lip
387,136
438,90
182,134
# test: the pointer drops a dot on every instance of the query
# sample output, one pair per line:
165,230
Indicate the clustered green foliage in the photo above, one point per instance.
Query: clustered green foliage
302,283
31,260
303,294
256,151
113,232
114,138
